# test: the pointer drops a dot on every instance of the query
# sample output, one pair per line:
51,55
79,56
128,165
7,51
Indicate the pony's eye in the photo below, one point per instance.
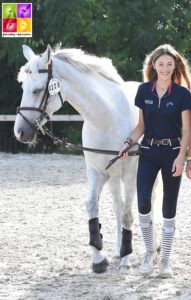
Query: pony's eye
37,91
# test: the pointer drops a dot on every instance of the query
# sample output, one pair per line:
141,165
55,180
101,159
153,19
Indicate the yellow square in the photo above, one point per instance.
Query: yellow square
24,25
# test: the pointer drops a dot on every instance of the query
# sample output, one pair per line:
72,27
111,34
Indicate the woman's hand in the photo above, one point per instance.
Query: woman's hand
133,137
178,166
122,152
188,169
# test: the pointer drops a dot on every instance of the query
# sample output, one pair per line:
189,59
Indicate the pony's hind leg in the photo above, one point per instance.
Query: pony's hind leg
121,238
129,180
118,205
95,185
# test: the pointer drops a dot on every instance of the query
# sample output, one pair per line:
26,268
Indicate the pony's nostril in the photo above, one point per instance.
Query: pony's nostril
19,134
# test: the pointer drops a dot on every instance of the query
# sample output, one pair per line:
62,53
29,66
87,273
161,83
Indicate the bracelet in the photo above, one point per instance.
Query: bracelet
188,158
129,141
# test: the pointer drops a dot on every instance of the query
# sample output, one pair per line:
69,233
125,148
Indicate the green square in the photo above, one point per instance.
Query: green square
9,10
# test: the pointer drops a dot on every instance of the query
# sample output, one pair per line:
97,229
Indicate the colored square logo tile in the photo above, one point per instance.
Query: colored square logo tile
10,25
9,10
23,25
24,10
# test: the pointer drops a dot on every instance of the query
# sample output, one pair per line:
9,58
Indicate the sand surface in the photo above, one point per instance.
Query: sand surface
44,251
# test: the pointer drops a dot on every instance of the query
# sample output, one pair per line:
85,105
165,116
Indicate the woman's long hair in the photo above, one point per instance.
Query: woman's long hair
181,74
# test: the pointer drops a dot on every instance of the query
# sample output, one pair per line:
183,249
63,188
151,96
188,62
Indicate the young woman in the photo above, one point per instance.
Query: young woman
164,102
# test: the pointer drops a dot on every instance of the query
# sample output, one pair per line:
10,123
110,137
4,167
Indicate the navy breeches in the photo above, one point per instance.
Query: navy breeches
153,159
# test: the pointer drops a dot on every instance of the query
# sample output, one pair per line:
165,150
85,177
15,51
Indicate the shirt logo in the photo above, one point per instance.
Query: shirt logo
148,101
169,104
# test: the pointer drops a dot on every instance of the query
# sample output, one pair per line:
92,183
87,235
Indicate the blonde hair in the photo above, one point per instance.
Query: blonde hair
181,74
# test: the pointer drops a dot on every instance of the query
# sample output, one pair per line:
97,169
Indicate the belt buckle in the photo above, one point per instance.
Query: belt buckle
165,142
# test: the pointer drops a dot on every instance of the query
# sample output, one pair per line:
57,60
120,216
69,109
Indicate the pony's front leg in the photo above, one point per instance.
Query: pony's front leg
95,185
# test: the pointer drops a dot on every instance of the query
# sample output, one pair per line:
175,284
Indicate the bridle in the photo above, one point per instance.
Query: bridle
43,104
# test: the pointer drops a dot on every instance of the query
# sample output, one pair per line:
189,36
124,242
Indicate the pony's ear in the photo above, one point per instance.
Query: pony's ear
28,53
46,56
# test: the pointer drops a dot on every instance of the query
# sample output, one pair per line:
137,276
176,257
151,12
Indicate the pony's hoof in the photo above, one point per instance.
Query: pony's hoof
101,267
125,265
124,269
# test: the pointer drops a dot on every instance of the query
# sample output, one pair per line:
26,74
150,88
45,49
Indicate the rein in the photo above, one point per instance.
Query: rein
64,142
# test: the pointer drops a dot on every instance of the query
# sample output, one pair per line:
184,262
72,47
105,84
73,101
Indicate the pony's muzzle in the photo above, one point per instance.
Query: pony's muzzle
24,134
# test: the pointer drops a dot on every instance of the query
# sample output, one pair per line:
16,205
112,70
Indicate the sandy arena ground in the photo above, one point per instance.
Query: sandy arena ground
44,237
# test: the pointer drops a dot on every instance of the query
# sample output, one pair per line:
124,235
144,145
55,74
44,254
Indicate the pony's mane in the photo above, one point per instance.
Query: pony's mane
80,60
89,63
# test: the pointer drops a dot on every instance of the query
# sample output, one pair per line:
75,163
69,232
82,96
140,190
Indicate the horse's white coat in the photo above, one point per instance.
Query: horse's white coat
106,103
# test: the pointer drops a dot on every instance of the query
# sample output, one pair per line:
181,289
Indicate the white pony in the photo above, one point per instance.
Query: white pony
106,103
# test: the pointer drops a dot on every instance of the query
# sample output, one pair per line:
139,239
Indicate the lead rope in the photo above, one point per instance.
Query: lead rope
64,142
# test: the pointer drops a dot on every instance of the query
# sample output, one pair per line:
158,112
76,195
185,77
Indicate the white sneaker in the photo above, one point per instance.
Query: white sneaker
149,261
165,269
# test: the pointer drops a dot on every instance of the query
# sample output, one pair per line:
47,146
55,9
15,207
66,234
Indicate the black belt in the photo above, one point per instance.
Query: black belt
163,142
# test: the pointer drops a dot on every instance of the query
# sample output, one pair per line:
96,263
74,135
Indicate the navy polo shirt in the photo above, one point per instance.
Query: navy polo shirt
162,118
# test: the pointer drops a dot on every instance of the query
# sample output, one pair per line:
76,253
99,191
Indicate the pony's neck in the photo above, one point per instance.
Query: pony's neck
86,92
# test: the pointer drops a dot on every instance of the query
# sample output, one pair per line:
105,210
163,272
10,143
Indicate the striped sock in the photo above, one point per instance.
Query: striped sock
145,222
168,232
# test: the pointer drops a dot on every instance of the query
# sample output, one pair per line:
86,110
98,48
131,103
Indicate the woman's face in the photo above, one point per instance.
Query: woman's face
164,66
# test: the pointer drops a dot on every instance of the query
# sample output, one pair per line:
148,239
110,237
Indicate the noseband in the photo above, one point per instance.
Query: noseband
43,104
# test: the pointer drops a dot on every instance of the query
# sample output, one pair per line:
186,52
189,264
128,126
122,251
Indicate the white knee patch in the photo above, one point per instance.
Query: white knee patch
169,225
169,229
145,224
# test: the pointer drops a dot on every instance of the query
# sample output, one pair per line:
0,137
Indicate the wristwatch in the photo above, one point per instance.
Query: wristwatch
129,141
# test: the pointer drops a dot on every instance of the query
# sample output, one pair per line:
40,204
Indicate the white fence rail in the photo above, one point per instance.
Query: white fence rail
54,118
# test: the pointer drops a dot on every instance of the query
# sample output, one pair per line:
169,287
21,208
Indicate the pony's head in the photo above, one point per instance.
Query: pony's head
41,95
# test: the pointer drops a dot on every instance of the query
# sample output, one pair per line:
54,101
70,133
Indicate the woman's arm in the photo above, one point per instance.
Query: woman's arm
177,168
188,165
135,134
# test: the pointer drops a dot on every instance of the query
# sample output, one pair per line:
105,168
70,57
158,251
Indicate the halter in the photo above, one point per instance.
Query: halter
43,104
